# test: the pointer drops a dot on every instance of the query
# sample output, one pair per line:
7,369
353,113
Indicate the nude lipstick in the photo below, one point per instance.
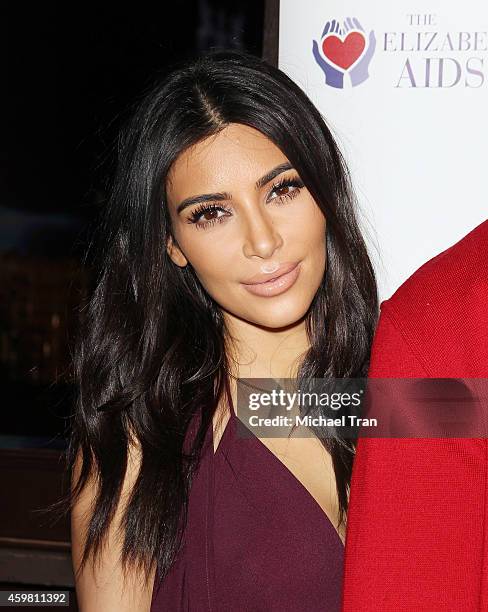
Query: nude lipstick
284,278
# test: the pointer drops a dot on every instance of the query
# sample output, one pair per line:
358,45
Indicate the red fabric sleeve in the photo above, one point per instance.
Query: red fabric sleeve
415,536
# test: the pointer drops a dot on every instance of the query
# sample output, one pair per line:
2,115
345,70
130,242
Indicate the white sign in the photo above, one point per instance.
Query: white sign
404,88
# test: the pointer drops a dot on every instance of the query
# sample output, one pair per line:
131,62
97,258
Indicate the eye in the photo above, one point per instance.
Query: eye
210,212
289,188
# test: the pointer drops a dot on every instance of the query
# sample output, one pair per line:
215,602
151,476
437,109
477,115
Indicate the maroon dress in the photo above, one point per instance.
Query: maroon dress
255,540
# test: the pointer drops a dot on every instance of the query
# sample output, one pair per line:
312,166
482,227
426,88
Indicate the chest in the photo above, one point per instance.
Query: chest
312,466
309,463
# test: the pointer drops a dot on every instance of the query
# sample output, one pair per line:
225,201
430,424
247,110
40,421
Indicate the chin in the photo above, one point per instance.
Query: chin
282,315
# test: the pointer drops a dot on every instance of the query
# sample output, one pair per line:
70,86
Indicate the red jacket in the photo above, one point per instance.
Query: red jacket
417,533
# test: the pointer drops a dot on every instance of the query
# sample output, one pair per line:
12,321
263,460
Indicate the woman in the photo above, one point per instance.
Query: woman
227,175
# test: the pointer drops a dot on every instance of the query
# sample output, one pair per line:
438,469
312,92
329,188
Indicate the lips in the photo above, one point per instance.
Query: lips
258,279
276,286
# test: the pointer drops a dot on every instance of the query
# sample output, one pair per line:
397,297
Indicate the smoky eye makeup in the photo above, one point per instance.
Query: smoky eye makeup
203,210
291,185
285,182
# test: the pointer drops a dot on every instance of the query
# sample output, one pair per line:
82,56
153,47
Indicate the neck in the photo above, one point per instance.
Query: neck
259,352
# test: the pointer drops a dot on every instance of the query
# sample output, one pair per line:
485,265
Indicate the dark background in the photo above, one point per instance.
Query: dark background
70,72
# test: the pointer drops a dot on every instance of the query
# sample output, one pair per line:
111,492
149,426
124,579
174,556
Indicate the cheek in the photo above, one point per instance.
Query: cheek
209,258
307,227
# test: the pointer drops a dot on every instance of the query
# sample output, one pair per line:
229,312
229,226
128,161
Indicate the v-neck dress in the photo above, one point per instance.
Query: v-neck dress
255,539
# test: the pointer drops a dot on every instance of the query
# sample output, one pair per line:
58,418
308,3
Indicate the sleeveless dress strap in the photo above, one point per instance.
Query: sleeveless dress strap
229,398
210,603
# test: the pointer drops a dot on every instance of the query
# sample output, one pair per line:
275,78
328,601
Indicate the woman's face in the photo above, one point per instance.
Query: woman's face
245,225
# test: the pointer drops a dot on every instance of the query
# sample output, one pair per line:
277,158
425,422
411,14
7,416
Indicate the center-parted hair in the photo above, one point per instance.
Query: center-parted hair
151,351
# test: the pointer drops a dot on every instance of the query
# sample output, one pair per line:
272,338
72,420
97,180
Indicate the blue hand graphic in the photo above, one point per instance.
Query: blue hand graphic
333,77
360,72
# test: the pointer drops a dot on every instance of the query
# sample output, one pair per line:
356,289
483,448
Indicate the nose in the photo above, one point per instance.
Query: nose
261,237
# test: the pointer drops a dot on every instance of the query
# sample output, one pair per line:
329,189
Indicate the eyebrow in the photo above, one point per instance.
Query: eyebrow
219,197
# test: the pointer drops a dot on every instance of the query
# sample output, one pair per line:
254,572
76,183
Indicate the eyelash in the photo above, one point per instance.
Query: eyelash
204,208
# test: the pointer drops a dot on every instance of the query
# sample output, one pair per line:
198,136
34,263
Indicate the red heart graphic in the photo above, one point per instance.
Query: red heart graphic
344,53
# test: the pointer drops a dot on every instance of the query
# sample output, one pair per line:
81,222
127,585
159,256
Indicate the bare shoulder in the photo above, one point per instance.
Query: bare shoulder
103,586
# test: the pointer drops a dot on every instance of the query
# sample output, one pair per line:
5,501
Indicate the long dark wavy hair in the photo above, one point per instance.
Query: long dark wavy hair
151,351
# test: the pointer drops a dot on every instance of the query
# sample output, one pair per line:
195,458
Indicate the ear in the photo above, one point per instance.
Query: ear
175,253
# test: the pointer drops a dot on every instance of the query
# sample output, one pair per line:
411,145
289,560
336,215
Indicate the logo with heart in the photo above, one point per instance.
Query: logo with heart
344,53
344,50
